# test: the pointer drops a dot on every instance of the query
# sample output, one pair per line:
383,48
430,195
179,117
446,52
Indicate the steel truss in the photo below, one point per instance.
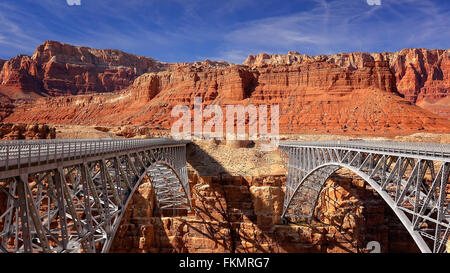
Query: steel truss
70,196
412,178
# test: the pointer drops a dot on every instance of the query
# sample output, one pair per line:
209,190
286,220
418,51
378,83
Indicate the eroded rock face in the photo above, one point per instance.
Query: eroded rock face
422,75
61,69
242,215
19,78
347,93
359,215
317,97
25,131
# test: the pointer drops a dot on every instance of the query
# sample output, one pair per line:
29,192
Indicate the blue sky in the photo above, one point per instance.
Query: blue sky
186,31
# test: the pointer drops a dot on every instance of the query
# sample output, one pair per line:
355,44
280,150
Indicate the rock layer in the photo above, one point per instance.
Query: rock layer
347,93
314,97
242,215
61,69
422,75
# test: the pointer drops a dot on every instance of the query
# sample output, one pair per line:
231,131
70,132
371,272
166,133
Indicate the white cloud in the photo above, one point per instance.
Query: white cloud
328,26
338,25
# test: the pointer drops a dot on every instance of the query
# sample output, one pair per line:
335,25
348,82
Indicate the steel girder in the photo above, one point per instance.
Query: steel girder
75,203
413,179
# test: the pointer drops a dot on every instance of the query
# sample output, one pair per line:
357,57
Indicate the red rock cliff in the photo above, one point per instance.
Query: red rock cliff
422,75
61,69
314,97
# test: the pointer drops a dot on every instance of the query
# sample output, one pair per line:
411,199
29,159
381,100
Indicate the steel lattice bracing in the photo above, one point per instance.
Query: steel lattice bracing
413,178
70,195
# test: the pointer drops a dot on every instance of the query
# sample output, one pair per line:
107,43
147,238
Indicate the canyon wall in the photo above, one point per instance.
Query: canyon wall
346,93
241,214
314,97
61,69
422,75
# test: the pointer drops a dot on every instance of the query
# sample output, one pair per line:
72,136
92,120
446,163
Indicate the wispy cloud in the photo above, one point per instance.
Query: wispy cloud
12,34
336,26
179,30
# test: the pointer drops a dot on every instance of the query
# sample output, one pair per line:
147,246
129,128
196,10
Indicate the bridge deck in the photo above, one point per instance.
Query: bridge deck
35,152
431,151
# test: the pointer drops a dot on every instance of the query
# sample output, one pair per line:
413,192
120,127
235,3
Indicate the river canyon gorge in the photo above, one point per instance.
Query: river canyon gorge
64,91
237,209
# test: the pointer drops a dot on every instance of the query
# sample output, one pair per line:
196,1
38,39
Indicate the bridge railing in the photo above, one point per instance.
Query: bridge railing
19,152
416,148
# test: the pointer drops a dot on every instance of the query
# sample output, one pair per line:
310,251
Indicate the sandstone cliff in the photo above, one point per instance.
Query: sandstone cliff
314,97
61,69
347,93
422,75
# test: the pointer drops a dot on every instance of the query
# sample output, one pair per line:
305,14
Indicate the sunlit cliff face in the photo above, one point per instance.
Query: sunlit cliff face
348,93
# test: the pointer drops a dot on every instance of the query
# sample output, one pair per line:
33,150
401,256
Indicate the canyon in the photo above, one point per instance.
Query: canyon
372,94
65,91
238,209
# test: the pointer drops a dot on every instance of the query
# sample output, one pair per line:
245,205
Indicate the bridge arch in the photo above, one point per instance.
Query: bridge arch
70,195
411,178
331,168
157,173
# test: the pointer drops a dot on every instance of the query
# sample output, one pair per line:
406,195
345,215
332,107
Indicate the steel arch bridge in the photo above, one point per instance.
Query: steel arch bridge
70,195
412,178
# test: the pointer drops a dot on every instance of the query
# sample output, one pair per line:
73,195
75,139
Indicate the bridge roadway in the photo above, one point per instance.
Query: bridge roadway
70,195
412,178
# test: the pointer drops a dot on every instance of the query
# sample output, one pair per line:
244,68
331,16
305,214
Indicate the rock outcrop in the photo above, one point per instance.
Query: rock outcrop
346,93
62,69
6,107
242,215
422,75
314,97
24,131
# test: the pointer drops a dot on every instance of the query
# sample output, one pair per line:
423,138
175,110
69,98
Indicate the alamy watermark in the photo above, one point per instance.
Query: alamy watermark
236,117
374,2
373,247
73,2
